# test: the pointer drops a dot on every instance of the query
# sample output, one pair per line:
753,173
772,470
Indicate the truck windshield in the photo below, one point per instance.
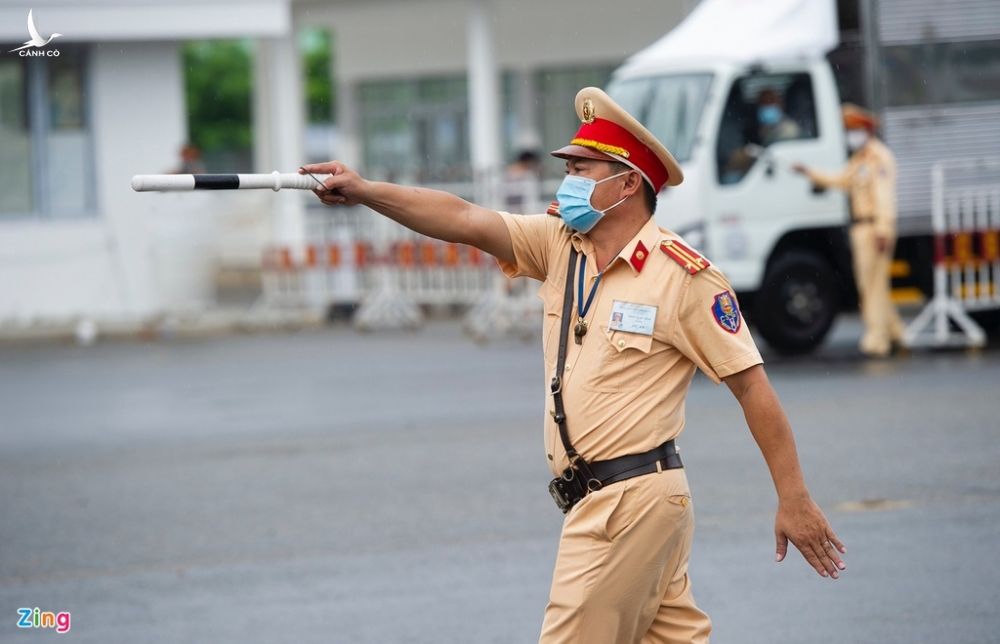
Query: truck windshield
670,106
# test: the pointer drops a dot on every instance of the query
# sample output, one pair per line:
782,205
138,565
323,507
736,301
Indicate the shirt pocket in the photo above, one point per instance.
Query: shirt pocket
623,359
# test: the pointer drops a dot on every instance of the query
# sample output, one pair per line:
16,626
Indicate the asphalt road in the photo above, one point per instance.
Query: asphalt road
331,487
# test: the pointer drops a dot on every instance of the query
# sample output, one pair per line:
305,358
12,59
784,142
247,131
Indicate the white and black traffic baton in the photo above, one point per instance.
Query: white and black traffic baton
184,182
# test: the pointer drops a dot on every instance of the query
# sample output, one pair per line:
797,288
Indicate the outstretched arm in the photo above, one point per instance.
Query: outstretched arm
429,212
839,180
799,519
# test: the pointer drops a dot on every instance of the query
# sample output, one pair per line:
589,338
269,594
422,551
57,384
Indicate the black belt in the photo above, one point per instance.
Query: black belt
570,487
626,467
863,220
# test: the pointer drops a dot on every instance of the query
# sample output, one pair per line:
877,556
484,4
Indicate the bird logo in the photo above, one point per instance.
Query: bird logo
36,38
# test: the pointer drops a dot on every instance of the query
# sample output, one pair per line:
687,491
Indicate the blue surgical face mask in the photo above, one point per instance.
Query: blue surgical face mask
769,115
856,139
574,201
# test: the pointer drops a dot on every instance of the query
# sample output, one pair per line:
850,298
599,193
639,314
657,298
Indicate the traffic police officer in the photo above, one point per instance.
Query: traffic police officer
646,313
870,180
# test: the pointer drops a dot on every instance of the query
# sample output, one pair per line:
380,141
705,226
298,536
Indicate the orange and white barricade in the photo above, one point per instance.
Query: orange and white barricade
435,273
510,307
279,277
316,275
411,271
357,257
966,223
390,280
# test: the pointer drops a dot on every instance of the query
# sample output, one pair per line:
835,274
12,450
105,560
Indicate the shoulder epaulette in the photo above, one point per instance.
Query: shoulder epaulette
692,262
553,209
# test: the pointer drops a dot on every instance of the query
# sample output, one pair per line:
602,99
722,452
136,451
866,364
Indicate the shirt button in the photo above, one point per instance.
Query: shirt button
550,456
621,344
684,501
640,255
567,367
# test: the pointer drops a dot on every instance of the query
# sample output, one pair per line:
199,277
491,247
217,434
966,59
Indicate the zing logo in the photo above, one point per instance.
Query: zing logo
33,46
35,618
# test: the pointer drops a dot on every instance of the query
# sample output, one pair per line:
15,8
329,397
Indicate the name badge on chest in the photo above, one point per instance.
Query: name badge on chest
632,318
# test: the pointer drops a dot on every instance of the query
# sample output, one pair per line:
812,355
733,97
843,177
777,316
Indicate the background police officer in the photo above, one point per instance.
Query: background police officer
870,180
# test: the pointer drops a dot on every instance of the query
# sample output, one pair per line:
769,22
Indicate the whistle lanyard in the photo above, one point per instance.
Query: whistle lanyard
582,308
580,329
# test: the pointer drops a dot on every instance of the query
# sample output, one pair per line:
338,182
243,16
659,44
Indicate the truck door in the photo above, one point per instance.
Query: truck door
769,122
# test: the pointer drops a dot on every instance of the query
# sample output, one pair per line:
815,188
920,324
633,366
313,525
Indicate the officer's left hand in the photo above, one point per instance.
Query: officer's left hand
803,523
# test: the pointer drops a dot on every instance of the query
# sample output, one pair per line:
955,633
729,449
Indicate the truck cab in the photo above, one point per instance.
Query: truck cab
737,130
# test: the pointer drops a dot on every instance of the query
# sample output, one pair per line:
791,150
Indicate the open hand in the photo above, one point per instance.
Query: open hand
344,188
802,523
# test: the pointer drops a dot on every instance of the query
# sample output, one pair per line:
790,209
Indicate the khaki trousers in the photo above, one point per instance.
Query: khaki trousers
871,273
621,572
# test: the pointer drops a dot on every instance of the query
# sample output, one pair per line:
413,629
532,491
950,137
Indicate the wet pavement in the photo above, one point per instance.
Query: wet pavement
334,487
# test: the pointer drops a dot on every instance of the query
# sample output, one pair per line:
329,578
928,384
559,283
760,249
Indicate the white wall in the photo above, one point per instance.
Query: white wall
140,124
106,266
55,269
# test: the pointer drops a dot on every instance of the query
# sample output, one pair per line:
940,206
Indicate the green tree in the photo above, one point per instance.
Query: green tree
218,82
315,49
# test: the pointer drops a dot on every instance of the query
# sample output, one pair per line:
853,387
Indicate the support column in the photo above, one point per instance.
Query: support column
873,55
278,131
484,102
498,312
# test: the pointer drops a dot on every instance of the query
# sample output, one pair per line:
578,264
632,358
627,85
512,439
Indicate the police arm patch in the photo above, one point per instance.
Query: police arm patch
726,312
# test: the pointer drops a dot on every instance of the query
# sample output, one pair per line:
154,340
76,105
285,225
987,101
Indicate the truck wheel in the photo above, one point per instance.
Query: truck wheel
797,302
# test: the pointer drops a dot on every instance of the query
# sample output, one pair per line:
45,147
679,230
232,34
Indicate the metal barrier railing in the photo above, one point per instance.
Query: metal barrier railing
966,223
354,256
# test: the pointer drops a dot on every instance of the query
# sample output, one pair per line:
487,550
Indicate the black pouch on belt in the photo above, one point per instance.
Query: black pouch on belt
566,492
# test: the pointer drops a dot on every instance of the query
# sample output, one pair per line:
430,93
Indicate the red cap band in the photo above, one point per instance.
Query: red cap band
611,138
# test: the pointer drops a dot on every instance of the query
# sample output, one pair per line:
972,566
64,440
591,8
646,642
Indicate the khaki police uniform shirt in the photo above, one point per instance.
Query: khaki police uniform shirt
624,392
870,180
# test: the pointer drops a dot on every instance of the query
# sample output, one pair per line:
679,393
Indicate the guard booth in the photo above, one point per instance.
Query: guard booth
105,102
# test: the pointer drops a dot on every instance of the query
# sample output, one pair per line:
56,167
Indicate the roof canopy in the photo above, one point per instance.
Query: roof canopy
116,20
745,31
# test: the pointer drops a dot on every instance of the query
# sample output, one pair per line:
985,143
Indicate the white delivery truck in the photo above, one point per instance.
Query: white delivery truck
742,90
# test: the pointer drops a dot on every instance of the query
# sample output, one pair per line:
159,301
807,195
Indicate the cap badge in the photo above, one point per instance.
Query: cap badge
588,111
